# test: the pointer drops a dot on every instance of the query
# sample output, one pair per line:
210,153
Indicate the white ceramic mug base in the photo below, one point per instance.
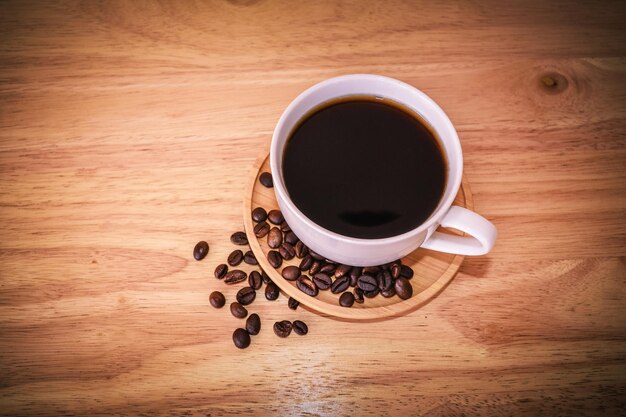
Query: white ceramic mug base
367,252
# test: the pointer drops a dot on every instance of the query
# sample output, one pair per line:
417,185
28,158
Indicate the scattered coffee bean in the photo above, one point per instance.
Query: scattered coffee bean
255,280
261,229
316,255
291,238
274,238
342,270
293,303
406,271
395,271
275,217
217,299
282,328
316,267
322,281
266,179
371,294
274,258
371,270
358,295
284,227
340,285
239,238
301,250
266,278
307,286
287,251
306,263
346,299
249,258
220,271
235,257
355,273
271,291
291,273
390,292
328,268
404,288
300,327
235,276
200,250
259,214
238,310
241,338
253,324
246,295
384,280
367,283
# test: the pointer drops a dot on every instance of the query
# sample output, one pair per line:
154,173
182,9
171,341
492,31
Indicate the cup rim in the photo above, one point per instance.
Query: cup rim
452,183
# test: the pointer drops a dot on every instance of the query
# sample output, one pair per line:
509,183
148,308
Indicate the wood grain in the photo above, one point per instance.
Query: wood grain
128,129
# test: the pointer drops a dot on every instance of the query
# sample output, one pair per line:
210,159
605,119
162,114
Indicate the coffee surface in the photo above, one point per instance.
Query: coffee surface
364,168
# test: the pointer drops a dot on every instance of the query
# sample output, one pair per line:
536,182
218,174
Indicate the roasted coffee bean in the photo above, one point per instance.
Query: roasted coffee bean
316,267
358,295
306,263
404,288
406,272
266,179
217,299
353,280
246,295
253,324
274,238
284,227
355,273
316,255
293,303
287,251
328,268
390,292
283,328
384,280
239,238
235,276
306,285
266,278
340,285
271,291
322,281
259,214
371,270
290,237
301,249
274,258
261,229
238,310
220,271
342,270
395,270
255,280
367,283
200,250
300,327
371,294
241,338
275,217
249,258
346,299
291,273
235,257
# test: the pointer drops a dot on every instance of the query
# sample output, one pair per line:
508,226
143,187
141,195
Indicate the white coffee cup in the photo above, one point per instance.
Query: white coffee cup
367,252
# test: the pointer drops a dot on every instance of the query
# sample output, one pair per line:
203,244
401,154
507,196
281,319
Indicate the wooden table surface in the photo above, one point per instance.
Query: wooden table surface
128,131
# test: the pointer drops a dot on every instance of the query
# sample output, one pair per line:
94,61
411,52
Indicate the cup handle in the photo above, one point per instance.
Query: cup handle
482,234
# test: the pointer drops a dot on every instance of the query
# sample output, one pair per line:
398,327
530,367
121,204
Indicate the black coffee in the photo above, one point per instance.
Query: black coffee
364,168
